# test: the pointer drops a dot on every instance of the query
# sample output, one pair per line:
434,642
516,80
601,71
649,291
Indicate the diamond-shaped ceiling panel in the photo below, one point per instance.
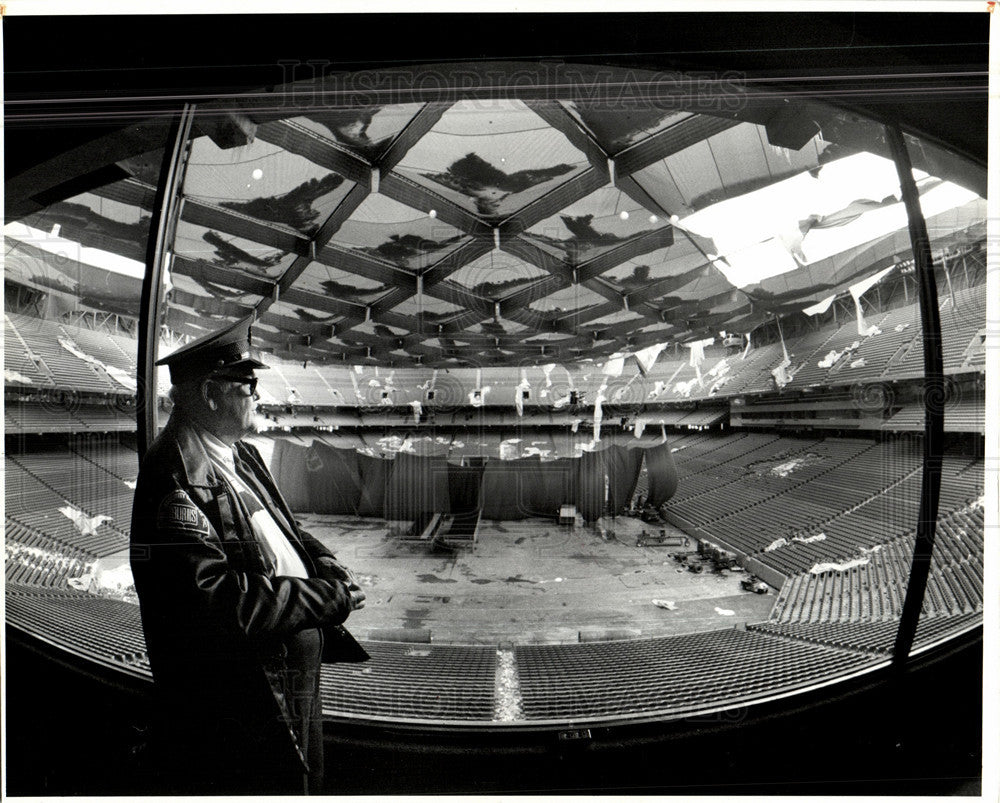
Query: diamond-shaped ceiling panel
605,219
384,229
432,309
623,316
496,275
380,330
366,131
649,270
227,251
292,323
96,221
569,299
264,182
550,337
48,262
620,128
704,288
328,281
492,158
493,328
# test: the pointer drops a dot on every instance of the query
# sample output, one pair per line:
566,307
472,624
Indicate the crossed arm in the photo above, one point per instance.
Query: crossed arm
186,560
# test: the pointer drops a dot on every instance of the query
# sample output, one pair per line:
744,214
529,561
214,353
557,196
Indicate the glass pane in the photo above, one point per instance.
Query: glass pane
73,280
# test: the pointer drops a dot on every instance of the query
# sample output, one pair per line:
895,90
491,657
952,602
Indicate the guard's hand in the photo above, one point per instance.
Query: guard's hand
357,596
330,568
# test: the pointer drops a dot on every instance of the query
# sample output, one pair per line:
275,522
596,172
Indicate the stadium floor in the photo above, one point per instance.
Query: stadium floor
533,581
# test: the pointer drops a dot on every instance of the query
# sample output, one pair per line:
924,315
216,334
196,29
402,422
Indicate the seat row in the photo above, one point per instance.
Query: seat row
872,637
871,587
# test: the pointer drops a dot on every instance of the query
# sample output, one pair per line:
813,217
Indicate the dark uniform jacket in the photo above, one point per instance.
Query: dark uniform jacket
232,646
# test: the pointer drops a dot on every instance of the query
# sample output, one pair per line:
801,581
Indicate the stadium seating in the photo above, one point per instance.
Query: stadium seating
755,368
51,346
872,588
71,361
104,631
961,415
106,418
67,499
21,365
961,321
114,456
110,350
414,682
899,327
812,370
34,559
873,637
22,418
658,677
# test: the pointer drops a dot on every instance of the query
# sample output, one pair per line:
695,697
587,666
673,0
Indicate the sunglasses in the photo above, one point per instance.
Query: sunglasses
243,380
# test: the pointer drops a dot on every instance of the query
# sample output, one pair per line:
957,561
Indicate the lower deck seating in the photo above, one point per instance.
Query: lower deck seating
113,454
793,502
873,637
106,631
414,681
656,677
882,517
623,680
75,503
34,559
873,586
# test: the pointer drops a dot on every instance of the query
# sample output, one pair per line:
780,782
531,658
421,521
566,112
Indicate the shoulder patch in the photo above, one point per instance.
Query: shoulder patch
178,512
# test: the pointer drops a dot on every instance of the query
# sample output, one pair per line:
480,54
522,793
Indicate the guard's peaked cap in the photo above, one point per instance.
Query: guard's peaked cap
218,352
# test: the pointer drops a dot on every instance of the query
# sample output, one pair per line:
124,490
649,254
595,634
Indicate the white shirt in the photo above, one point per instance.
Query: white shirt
286,560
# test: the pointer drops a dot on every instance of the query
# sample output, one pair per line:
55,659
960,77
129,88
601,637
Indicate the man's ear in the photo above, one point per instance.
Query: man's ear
207,394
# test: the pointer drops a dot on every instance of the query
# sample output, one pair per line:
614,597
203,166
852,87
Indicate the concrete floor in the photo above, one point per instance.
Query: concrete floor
532,581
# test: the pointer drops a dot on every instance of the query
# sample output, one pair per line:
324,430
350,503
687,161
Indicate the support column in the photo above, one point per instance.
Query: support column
933,401
161,234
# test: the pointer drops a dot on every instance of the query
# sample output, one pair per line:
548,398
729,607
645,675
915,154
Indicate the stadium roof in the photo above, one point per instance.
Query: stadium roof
481,219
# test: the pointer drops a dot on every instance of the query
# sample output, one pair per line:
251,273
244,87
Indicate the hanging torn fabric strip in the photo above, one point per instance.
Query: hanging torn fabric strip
858,290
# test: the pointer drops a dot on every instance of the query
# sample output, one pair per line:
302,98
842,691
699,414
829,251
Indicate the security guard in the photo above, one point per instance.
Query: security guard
239,606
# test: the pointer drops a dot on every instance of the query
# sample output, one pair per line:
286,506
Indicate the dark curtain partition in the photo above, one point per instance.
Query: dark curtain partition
464,483
374,479
288,467
324,479
623,466
591,484
416,485
557,486
662,474
334,479
511,489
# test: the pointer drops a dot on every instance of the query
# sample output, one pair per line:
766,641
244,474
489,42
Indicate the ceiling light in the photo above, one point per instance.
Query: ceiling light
623,215
257,174
432,213
653,218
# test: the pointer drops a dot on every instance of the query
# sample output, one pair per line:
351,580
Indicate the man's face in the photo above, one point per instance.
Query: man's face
236,399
